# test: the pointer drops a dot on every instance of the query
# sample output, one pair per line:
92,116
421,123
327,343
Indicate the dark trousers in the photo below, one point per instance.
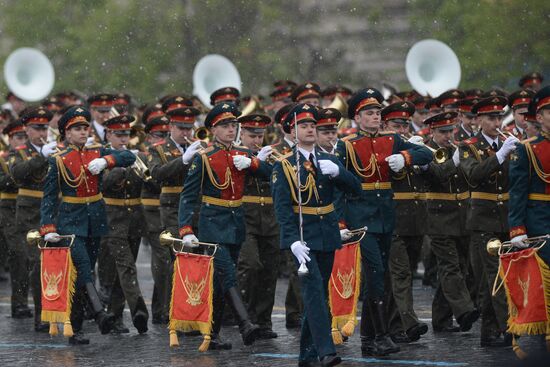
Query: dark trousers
84,254
257,271
316,338
225,260
375,252
293,299
162,270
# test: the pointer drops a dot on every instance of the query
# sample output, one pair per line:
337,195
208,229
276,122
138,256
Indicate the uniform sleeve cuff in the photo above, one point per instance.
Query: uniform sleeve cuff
254,164
517,231
47,228
111,162
185,230
342,225
407,156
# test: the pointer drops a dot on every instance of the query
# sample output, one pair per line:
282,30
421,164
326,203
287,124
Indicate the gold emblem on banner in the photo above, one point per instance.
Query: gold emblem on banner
52,284
346,280
524,285
194,291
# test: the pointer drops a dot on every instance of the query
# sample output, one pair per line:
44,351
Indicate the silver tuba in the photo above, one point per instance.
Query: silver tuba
29,74
211,73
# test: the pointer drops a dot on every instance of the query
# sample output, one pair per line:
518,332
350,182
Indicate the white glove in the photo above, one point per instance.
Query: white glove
97,165
134,151
396,162
265,152
90,141
415,139
190,240
52,237
518,241
190,152
241,162
456,157
48,149
300,251
507,147
345,234
329,168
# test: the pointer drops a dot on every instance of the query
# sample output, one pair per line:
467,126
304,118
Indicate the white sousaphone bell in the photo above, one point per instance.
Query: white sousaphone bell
213,72
432,67
29,74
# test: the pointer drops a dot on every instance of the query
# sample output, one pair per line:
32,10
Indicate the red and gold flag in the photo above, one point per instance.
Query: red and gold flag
57,276
343,290
192,290
526,279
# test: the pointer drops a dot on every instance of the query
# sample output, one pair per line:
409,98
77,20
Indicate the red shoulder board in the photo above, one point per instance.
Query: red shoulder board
160,142
24,146
470,141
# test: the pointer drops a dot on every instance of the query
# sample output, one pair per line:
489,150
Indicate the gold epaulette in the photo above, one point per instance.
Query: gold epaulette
61,152
207,149
387,132
93,146
285,156
351,136
529,140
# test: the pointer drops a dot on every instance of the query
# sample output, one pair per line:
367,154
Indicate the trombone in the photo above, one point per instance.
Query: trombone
34,238
140,168
495,247
166,239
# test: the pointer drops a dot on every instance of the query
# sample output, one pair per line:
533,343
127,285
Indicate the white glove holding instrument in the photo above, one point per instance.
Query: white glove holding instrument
507,147
396,162
265,152
190,152
329,168
300,251
241,162
518,241
190,240
345,234
90,141
97,165
456,157
48,149
415,139
52,237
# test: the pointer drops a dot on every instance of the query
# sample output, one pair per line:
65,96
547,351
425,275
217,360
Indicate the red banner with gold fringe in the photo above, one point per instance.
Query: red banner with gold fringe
526,279
57,276
343,289
192,290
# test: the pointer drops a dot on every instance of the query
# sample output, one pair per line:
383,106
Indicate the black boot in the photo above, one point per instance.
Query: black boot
140,316
119,327
383,341
249,331
104,320
216,343
368,347
77,318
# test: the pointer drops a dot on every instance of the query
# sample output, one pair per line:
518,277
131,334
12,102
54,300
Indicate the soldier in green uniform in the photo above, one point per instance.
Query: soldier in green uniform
484,161
28,167
307,93
408,235
219,172
519,102
467,128
73,205
101,109
259,258
122,196
17,251
447,200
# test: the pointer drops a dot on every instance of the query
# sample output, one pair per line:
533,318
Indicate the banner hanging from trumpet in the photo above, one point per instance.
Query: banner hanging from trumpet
526,279
343,290
57,277
192,290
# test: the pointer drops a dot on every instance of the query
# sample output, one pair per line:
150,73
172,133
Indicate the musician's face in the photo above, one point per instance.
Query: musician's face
398,127
180,134
314,101
37,134
118,139
306,133
225,133
327,138
489,124
419,117
100,115
368,119
519,117
77,135
442,137
467,121
17,139
543,117
251,140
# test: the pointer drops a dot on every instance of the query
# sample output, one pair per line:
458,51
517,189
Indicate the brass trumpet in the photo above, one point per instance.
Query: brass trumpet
141,170
202,133
440,154
495,246
34,238
166,239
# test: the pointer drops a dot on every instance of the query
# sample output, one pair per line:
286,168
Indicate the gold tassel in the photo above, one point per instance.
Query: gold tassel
337,336
205,343
67,329
174,342
517,349
53,329
348,328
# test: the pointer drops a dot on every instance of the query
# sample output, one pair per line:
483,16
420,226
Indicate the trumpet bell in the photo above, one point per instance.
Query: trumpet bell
166,238
33,237
432,67
252,106
202,133
213,72
29,74
493,246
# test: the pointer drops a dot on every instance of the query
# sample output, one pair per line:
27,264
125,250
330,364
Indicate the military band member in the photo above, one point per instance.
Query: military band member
320,173
532,126
370,155
529,214
484,161
468,126
101,110
329,93
122,196
420,112
327,129
447,200
532,81
408,235
519,102
259,258
15,104
28,166
225,95
281,95
17,250
55,106
307,93
219,172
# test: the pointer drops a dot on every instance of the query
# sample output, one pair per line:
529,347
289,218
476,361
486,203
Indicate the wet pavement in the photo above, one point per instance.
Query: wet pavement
21,346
